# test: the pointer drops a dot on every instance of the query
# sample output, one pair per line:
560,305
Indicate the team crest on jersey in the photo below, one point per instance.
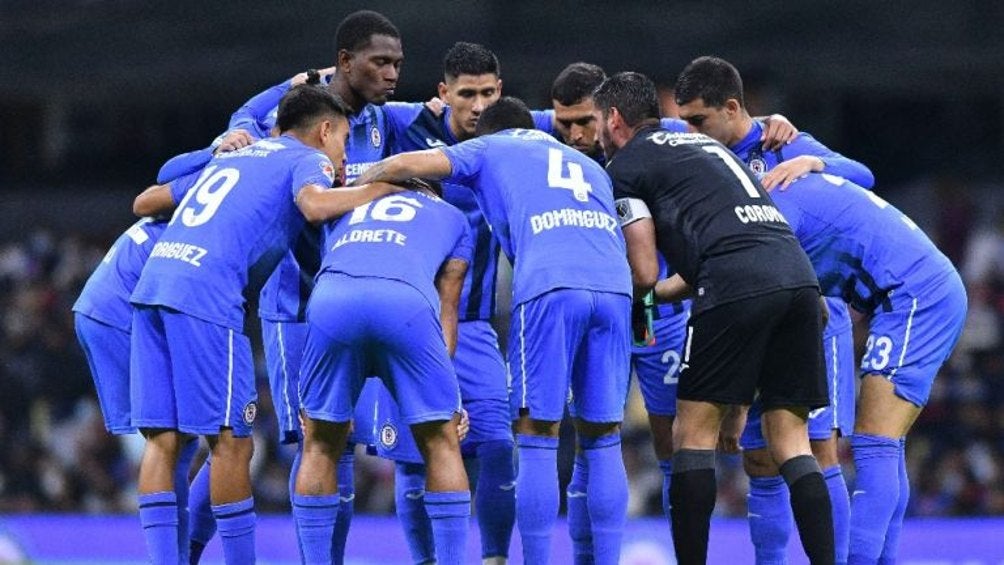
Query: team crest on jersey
388,435
250,412
328,170
758,166
375,137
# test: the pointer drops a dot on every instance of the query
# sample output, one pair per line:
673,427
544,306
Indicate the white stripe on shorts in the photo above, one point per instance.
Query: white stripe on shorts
285,376
230,377
835,397
906,339
522,351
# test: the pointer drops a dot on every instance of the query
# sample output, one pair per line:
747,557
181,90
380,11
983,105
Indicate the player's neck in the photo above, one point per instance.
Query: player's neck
351,98
743,126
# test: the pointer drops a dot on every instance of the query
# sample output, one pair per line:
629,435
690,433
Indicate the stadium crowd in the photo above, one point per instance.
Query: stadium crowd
55,455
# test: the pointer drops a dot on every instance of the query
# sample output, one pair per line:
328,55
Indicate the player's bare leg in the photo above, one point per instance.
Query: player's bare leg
447,492
158,502
230,494
787,434
315,497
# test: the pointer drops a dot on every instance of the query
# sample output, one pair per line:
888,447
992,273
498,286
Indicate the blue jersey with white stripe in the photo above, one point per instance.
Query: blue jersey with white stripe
861,247
405,237
551,208
105,296
420,128
229,232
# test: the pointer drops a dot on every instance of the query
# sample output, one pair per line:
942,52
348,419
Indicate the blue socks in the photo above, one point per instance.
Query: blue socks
877,460
158,514
666,466
607,495
769,517
579,528
409,497
841,504
891,548
315,524
235,522
346,503
202,525
449,513
537,495
495,498
181,488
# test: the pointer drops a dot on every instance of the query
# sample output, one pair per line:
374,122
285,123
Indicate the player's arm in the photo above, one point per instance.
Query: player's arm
154,201
428,164
806,155
449,282
639,235
778,131
673,289
319,204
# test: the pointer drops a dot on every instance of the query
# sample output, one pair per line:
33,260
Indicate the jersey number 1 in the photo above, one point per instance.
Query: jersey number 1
209,191
733,165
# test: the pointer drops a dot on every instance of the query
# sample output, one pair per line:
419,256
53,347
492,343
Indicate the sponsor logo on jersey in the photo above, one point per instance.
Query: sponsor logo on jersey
388,435
250,412
375,137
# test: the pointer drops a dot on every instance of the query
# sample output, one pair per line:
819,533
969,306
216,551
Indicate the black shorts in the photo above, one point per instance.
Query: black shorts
771,345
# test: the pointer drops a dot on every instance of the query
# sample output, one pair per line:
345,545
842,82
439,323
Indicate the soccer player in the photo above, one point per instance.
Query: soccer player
385,299
756,322
103,322
190,362
471,82
709,93
547,203
875,258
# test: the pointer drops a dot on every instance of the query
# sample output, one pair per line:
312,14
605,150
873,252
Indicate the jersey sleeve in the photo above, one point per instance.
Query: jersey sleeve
835,163
675,125
312,168
180,185
543,120
183,164
400,115
465,160
464,248
254,114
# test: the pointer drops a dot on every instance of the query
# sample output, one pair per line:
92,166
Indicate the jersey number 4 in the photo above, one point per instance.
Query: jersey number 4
208,193
575,181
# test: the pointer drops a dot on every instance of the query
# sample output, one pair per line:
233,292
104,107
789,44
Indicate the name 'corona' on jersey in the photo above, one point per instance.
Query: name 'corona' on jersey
758,213
572,217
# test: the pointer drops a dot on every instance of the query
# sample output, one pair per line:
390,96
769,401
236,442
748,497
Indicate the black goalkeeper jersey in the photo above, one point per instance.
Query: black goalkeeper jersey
714,222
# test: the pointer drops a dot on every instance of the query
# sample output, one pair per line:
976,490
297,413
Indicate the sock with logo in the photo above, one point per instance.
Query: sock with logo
346,503
890,550
607,495
876,460
495,498
841,504
579,527
536,494
769,517
315,518
409,496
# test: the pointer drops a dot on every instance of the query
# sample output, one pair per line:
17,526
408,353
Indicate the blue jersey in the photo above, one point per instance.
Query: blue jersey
417,127
551,208
404,237
231,229
105,296
861,247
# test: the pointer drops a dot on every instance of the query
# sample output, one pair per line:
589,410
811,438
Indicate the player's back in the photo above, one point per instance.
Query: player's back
231,230
404,237
715,223
551,207
861,246
105,296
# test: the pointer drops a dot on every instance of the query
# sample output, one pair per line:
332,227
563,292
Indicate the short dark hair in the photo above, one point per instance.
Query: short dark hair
357,28
711,79
509,112
576,82
470,59
633,94
304,104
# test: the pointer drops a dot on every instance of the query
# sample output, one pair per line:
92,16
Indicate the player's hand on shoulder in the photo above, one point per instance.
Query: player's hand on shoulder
790,171
732,429
235,139
778,131
464,426
436,105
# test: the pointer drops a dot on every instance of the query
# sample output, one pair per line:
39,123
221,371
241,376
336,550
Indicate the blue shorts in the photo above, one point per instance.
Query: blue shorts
908,344
838,350
283,344
571,342
364,420
190,375
107,351
362,326
483,388
657,366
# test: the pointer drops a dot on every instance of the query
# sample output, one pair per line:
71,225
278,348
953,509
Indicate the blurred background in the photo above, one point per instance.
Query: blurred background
96,94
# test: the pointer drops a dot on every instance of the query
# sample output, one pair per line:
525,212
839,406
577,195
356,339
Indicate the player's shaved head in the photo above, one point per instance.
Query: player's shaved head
356,30
633,94
469,59
711,79
303,105
576,82
509,112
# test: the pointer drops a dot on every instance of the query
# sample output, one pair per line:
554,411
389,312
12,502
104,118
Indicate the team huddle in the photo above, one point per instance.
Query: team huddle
714,256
